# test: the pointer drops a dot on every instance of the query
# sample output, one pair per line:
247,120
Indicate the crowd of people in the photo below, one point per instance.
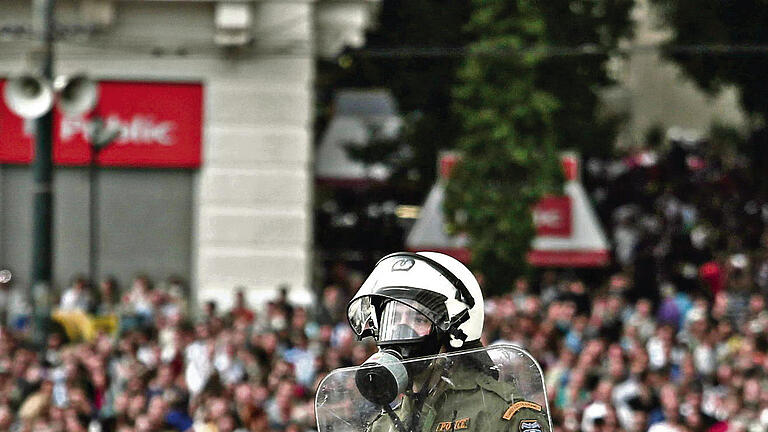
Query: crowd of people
615,365
673,338
159,369
676,338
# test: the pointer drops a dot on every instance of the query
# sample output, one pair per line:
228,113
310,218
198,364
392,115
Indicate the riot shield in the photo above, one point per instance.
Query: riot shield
496,388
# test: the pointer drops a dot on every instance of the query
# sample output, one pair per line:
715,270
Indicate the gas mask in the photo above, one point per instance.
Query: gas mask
403,333
382,377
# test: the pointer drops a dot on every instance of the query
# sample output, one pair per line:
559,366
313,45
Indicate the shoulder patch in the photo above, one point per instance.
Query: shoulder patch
517,406
530,426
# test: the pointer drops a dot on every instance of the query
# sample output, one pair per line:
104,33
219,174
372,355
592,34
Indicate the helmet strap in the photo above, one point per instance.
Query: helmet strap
456,335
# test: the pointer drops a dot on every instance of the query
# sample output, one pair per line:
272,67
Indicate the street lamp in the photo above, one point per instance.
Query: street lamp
32,97
101,136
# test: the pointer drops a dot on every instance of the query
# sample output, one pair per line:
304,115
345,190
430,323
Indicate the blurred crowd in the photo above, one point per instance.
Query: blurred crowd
158,369
671,338
676,337
685,365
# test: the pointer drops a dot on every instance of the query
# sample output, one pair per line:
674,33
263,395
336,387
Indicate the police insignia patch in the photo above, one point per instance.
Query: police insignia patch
530,426
517,406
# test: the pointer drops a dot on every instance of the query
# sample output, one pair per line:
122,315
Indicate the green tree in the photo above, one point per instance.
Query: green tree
414,51
508,141
529,90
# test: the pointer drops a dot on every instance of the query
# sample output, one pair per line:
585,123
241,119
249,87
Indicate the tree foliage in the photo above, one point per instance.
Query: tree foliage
508,140
516,102
521,101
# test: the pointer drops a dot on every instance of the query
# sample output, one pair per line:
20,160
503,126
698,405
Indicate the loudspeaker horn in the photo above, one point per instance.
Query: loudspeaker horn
77,94
28,96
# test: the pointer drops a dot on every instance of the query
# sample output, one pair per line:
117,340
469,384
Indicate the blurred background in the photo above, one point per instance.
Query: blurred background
190,192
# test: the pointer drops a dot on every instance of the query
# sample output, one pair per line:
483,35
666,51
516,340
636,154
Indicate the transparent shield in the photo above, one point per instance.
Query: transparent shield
497,388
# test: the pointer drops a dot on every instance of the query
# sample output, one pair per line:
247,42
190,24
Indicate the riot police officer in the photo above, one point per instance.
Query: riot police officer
425,311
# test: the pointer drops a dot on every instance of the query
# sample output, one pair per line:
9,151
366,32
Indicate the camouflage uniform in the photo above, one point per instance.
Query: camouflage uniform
467,400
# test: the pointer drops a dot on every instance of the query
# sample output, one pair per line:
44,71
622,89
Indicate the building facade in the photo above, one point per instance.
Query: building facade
242,216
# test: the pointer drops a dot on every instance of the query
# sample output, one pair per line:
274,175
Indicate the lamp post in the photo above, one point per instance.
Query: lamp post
101,137
42,242
32,97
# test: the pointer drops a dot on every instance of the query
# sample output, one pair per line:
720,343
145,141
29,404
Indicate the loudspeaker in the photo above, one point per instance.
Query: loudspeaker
77,94
28,96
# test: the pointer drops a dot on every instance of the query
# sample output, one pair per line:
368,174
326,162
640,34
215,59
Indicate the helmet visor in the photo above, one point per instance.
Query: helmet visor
400,322
364,311
362,317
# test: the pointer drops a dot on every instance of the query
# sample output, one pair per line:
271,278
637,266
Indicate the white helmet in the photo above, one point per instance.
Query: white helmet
436,285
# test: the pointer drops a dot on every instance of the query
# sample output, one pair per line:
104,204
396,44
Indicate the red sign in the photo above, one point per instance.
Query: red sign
552,216
160,126
15,144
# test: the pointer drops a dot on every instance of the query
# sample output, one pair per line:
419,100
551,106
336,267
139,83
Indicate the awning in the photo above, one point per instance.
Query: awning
568,230
357,115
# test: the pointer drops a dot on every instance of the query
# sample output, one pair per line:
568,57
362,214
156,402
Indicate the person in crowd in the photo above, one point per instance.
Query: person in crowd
108,296
14,304
76,297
